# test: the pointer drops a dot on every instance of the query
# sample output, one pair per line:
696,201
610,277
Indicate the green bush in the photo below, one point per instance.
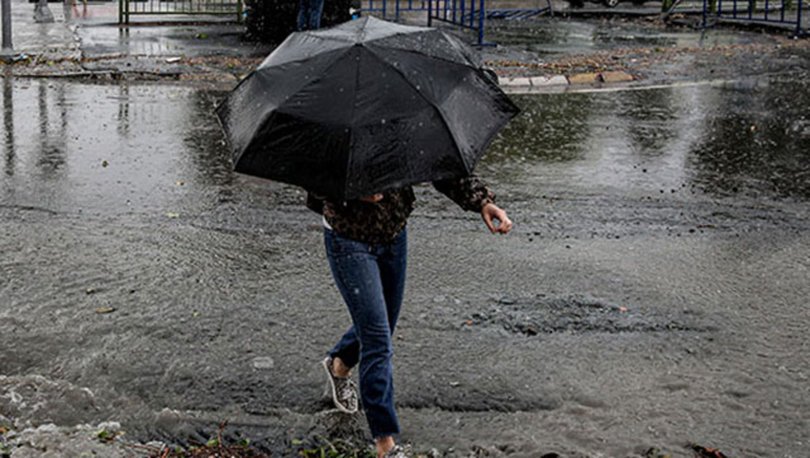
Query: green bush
272,20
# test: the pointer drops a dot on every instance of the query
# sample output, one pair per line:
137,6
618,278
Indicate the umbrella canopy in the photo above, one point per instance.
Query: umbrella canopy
364,107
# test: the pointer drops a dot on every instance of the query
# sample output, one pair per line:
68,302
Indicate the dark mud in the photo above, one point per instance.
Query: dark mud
541,315
653,292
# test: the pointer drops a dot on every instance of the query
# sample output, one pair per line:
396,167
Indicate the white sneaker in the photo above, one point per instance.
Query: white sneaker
398,452
344,391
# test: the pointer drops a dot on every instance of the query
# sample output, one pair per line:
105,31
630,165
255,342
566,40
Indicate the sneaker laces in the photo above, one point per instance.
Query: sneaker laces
347,390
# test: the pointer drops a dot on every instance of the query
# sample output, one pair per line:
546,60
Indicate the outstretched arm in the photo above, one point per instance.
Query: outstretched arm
472,194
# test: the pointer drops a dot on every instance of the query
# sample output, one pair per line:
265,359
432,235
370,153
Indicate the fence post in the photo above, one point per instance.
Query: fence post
799,19
8,47
705,6
239,11
430,13
481,19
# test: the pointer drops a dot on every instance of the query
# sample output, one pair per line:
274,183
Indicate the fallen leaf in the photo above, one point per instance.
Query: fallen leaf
102,310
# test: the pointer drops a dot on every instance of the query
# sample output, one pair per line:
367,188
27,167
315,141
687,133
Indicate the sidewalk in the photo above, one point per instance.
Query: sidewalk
86,40
57,40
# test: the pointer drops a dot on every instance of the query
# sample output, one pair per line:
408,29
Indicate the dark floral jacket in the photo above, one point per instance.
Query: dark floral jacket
380,222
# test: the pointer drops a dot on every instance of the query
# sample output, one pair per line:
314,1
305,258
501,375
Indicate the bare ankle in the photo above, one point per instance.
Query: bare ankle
339,369
384,444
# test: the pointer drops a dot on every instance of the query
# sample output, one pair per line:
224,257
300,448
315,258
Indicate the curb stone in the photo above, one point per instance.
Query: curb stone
583,78
534,81
560,80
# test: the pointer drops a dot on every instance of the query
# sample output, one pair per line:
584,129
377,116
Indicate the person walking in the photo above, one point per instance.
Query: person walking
309,14
366,246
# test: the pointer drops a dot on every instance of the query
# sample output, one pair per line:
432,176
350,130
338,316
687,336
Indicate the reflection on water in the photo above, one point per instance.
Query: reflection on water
650,120
760,145
212,164
546,36
114,149
106,148
8,123
51,149
738,139
123,110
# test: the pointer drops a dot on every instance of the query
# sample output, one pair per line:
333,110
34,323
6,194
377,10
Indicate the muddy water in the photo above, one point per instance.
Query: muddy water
550,36
652,294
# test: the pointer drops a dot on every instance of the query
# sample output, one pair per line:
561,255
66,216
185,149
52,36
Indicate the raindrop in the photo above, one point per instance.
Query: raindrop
422,152
382,121
418,87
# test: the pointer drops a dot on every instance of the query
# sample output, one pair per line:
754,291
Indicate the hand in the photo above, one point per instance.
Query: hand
492,212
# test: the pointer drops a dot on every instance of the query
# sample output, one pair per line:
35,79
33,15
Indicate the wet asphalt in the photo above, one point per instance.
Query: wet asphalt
653,293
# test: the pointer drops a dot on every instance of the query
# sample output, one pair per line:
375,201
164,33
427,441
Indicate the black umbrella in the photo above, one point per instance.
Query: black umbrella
364,107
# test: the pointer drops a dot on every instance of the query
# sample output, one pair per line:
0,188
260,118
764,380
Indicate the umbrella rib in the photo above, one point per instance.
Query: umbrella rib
418,53
440,59
304,58
431,104
351,125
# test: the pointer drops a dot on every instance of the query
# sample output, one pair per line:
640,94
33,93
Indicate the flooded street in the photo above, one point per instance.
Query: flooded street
653,293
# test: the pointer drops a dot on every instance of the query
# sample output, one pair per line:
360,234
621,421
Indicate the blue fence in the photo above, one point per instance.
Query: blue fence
785,14
382,6
462,13
467,14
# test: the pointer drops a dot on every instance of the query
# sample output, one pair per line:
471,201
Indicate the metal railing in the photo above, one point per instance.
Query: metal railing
785,14
179,8
468,14
382,7
463,13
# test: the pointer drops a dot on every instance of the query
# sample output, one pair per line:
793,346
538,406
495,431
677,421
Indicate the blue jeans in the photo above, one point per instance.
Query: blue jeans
371,279
309,14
